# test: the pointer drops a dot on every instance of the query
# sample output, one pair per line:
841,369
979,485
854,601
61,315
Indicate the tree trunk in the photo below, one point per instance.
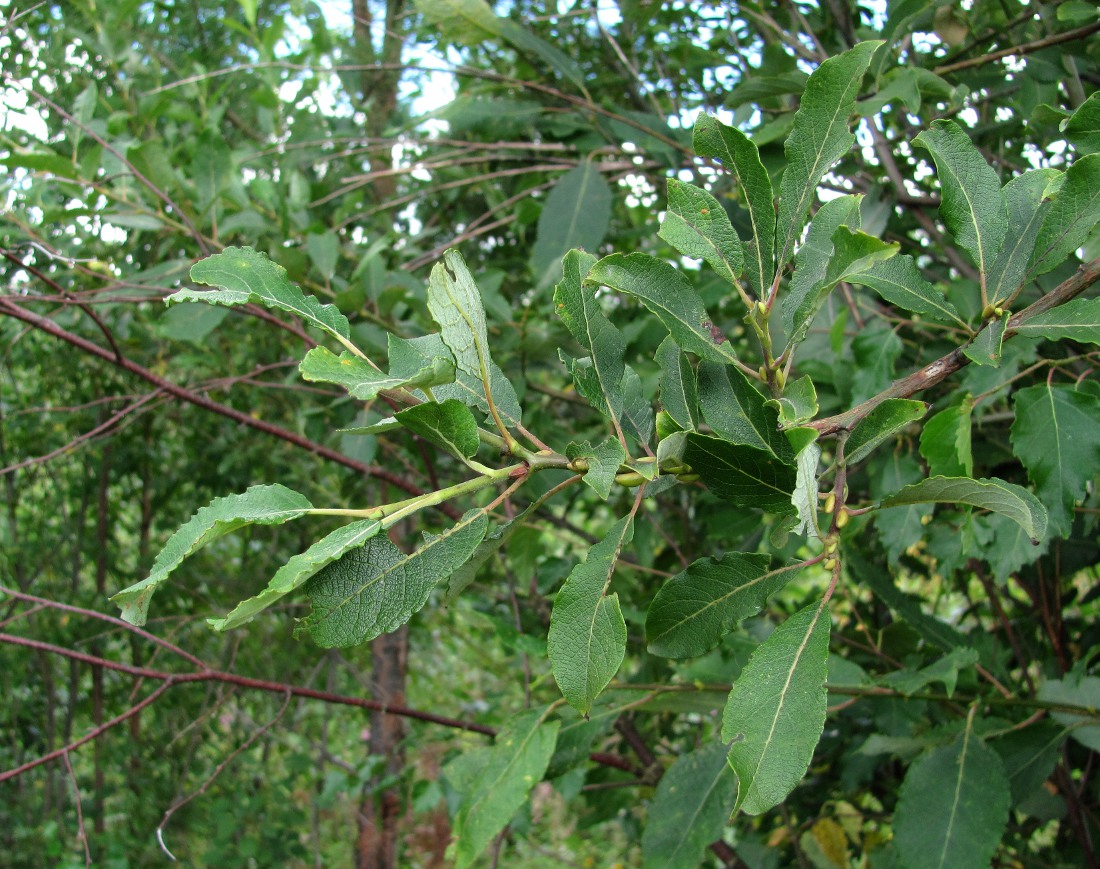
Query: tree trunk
381,810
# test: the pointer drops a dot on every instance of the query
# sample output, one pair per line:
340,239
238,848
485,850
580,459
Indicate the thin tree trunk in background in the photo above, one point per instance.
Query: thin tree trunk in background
380,810
102,534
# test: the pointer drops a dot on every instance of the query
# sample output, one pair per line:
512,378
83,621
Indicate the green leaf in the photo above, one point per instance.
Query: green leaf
1075,690
375,589
191,322
700,605
412,359
797,404
578,308
247,276
637,411
470,390
738,413
881,424
473,21
587,638
876,348
667,293
776,710
971,204
1083,127
324,250
945,441
1056,436
1071,218
1027,201
712,138
506,774
259,505
601,463
690,809
576,214
697,225
679,387
812,260
742,475
361,379
820,137
853,252
899,282
945,670
1029,756
298,570
952,807
804,496
877,578
985,349
455,304
1076,320
449,425
492,543
997,496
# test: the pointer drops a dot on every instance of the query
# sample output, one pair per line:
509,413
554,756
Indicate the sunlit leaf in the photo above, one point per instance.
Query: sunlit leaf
259,505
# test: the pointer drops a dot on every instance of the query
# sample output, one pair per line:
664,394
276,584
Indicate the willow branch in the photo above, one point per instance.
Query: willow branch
1025,48
945,366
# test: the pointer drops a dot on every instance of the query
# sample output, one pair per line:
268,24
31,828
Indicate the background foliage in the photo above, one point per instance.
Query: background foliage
960,718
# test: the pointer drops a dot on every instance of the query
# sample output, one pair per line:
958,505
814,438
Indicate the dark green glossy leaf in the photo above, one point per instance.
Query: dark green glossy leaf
1071,218
1083,127
449,425
945,442
985,349
679,387
743,475
667,293
899,282
578,308
1027,200
812,259
700,605
853,252
1076,320
738,413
